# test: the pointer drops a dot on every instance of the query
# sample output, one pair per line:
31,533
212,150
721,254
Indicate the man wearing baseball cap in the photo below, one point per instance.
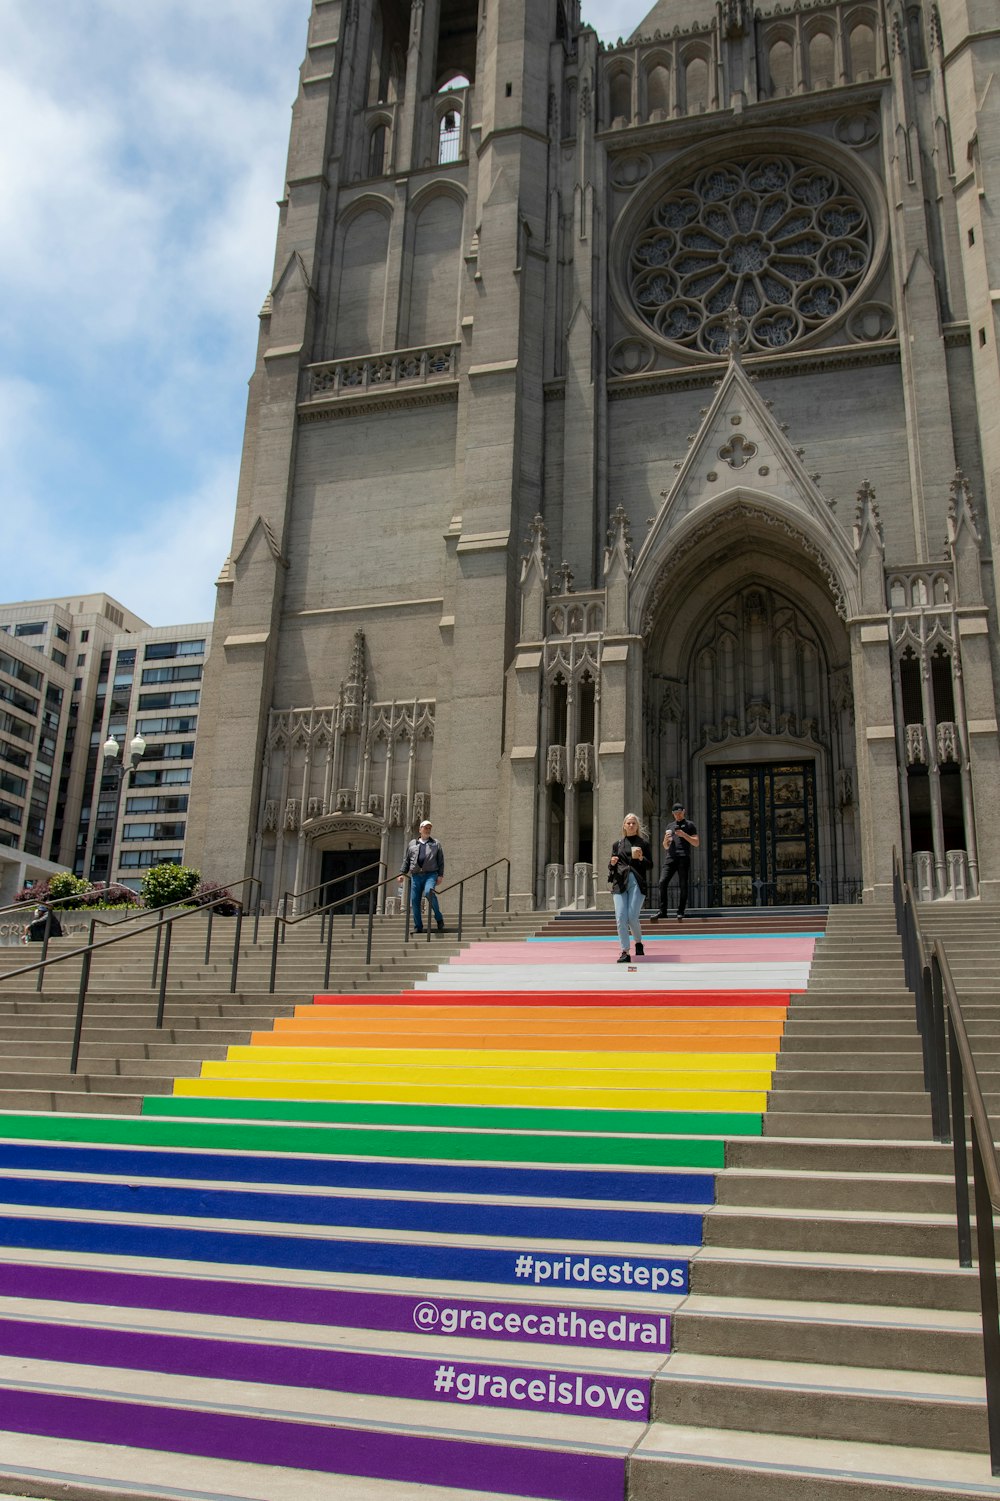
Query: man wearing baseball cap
424,864
679,840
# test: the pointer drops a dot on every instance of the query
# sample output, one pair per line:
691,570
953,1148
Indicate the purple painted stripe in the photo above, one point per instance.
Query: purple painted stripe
551,1475
585,1393
601,1328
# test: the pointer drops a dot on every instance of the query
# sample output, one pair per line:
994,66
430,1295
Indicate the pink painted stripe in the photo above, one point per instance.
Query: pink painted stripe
735,951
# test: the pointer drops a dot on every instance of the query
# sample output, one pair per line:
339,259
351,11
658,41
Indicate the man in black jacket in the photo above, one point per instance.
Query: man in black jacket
680,839
424,864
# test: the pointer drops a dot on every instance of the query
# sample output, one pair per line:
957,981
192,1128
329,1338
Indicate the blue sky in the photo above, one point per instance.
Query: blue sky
142,148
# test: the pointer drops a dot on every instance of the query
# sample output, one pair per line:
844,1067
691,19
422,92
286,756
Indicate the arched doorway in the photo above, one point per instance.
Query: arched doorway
749,722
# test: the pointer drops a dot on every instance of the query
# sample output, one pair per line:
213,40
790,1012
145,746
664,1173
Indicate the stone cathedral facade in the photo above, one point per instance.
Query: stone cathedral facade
625,428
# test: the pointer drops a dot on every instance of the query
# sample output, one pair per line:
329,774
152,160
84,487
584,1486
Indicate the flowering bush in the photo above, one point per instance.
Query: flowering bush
113,894
208,891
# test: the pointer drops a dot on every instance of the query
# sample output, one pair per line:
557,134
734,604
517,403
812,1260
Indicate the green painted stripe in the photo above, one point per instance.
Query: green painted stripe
334,1141
483,1117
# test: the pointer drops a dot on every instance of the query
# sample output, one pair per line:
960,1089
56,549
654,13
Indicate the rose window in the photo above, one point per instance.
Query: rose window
787,242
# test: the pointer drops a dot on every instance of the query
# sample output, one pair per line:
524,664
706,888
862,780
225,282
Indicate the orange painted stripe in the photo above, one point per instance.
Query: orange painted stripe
378,1017
620,1042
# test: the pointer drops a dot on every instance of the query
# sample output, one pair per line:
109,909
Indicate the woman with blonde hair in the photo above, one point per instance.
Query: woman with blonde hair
628,870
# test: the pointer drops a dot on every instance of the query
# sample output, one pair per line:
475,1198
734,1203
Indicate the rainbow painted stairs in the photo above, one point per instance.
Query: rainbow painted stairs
541,1226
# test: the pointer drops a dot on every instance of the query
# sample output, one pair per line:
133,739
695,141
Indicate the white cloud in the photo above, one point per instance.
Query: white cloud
164,567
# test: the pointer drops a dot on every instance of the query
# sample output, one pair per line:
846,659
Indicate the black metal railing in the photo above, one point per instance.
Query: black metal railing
326,913
718,892
156,916
356,890
951,1078
160,970
460,886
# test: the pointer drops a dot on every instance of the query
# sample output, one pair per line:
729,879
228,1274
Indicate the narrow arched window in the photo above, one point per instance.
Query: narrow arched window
377,144
696,85
821,63
450,137
862,48
658,92
780,67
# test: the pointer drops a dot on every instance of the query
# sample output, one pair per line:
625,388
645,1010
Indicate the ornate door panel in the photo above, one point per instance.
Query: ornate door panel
763,834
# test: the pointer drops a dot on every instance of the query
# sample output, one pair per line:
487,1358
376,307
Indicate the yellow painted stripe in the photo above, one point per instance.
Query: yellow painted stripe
597,1078
464,1058
477,1094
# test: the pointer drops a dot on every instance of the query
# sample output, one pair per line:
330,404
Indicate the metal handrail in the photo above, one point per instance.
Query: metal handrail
321,885
156,916
86,954
460,886
952,1079
281,924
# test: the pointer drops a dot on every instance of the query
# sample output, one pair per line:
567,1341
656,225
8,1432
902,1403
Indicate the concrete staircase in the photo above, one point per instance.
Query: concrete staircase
124,1057
241,1294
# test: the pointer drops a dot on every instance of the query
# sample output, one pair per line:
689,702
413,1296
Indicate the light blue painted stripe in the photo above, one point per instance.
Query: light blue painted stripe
672,937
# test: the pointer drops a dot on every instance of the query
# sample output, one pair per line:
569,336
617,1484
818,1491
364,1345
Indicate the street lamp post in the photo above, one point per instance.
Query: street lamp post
113,765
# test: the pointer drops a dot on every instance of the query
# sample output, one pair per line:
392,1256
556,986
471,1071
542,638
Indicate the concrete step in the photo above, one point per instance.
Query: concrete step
831,1401
712,1464
897,1234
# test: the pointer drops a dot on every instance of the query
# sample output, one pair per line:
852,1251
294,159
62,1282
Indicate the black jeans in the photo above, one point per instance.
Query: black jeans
682,869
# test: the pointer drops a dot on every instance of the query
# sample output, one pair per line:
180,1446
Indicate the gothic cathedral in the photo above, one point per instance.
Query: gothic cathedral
625,430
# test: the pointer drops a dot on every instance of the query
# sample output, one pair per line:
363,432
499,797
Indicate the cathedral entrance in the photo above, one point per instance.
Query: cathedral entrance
762,834
338,871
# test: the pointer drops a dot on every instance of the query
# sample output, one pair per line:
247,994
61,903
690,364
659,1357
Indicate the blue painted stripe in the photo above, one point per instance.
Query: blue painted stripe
412,1259
522,1220
324,1172
672,937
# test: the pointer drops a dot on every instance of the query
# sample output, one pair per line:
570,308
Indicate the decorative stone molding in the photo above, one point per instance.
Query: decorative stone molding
291,821
397,810
584,763
354,377
555,765
271,815
421,808
915,736
949,746
345,800
744,510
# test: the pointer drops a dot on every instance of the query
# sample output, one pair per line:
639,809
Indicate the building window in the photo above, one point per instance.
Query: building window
62,633
157,651
30,628
450,137
377,144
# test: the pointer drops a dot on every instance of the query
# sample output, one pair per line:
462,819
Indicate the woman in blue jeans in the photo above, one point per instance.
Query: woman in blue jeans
628,871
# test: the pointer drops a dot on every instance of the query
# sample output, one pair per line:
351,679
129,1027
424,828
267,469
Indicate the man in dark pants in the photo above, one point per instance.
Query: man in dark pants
679,840
424,864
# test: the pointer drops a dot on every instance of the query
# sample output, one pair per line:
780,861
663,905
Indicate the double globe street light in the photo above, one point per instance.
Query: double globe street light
113,764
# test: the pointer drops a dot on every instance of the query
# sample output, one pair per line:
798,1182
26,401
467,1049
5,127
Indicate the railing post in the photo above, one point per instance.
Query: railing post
405,899
354,903
236,949
156,949
45,948
461,905
329,947
274,953
371,930
208,935
486,880
284,914
161,1002
986,1248
507,894
256,916
959,1148
939,1064
81,999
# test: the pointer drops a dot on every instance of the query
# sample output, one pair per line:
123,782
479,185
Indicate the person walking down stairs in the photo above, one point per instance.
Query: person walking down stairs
628,872
423,862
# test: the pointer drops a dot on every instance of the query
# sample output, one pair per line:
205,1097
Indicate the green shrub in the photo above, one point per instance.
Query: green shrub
164,884
66,884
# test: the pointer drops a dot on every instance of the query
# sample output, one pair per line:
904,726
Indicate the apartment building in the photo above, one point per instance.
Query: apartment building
76,674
